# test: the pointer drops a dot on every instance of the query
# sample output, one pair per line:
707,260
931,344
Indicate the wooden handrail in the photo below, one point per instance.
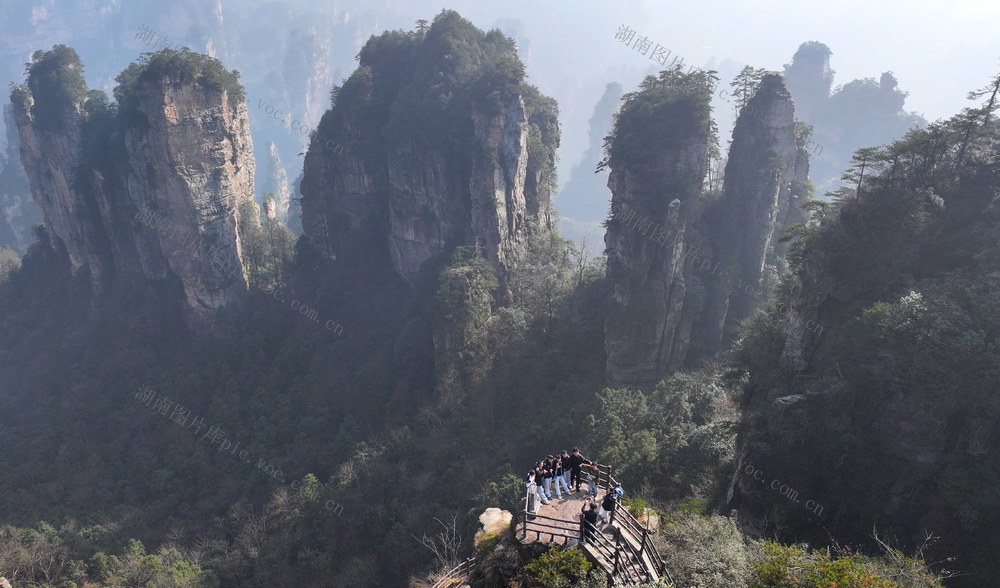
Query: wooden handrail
460,571
622,568
599,541
635,561
641,534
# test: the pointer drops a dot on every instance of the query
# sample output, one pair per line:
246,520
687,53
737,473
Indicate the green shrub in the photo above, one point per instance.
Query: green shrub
697,506
186,66
487,543
557,566
704,551
56,81
791,567
635,504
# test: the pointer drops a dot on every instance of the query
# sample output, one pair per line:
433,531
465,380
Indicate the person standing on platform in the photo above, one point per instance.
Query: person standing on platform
567,467
539,480
531,498
591,476
608,506
562,473
550,470
576,463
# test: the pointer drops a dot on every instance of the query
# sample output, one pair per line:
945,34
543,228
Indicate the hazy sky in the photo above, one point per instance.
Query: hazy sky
938,51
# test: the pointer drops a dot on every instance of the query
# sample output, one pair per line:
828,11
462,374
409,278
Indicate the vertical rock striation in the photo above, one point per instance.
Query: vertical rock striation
192,165
764,185
153,188
665,312
810,77
658,159
416,165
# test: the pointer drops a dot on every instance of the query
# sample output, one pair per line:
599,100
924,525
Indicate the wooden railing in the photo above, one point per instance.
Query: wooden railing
607,481
456,575
623,561
641,534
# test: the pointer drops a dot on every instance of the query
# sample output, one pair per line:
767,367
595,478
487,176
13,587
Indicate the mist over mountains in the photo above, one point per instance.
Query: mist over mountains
294,295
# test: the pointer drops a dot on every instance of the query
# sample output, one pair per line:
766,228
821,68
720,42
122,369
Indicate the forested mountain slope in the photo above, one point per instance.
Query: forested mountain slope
887,416
304,434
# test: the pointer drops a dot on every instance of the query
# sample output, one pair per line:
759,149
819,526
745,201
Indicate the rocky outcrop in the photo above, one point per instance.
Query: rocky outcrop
655,174
193,167
764,185
645,335
51,148
473,179
431,204
161,197
810,77
428,200
666,312
493,521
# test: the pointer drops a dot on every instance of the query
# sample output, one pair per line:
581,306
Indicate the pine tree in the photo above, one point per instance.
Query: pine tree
983,112
744,86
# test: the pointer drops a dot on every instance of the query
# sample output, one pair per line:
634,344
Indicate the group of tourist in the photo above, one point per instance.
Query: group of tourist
560,472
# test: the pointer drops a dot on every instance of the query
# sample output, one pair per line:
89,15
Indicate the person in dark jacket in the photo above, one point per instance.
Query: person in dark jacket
561,465
539,480
589,514
608,505
576,462
549,465
567,467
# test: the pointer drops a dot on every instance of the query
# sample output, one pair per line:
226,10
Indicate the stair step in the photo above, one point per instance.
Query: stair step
636,544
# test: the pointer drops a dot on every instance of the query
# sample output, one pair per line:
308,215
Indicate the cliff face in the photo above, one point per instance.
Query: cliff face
810,77
871,393
50,152
685,271
858,113
193,167
648,327
764,186
428,201
154,191
464,174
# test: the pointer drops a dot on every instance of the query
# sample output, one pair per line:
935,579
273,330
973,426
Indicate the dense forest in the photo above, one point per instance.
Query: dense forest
345,420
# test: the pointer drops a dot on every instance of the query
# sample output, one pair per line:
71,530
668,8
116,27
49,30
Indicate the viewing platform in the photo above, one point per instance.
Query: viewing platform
622,548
